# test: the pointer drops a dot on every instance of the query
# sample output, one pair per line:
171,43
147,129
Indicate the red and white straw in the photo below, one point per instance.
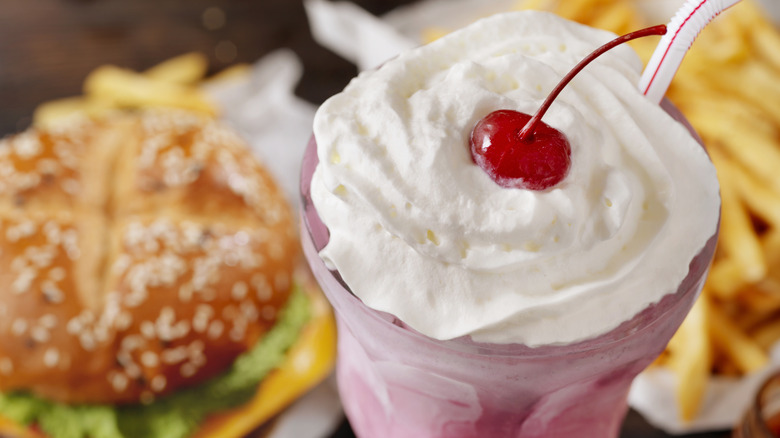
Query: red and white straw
683,29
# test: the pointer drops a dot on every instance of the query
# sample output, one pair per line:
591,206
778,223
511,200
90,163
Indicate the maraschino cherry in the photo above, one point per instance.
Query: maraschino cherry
520,151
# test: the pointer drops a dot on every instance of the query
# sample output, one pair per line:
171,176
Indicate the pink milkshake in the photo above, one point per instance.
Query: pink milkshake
469,310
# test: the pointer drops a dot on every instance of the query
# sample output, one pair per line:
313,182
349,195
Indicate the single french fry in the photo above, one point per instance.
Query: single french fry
126,88
762,297
757,304
737,236
759,199
51,113
690,358
725,279
233,72
766,41
767,334
740,349
186,69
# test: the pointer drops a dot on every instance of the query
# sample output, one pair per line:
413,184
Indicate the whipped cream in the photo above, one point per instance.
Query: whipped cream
419,231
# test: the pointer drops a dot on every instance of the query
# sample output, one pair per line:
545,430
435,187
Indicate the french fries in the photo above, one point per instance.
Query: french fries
172,83
729,89
187,69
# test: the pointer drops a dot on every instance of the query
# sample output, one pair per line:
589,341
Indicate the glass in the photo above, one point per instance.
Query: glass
396,382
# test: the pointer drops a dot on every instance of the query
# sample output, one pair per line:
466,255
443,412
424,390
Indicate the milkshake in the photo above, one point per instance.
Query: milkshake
469,309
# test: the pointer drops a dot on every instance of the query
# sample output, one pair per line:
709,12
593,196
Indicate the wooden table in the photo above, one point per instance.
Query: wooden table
48,46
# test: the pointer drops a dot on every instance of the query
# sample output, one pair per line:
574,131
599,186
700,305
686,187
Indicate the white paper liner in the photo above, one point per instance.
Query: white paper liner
263,108
354,34
339,26
315,415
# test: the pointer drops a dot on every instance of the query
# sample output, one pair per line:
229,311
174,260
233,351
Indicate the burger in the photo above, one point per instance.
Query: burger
149,283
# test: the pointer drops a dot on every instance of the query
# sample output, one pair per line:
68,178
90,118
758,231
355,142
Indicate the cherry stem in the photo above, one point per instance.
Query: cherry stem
526,134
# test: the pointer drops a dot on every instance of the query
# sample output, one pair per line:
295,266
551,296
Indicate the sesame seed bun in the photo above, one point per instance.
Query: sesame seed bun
138,254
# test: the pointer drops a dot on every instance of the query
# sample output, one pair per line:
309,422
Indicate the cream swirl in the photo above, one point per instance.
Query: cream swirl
419,231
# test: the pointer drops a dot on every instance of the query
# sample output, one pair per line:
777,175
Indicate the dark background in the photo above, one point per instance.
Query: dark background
47,47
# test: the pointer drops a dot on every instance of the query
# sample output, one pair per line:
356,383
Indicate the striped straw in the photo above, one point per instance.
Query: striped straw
684,27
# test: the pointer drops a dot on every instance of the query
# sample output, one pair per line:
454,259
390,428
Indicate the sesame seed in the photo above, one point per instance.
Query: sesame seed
215,329
262,288
239,291
167,314
237,333
48,166
241,238
51,292
40,334
24,280
74,326
133,371
119,381
19,326
57,273
188,370
198,360
71,186
124,320
231,259
48,321
87,316
158,383
122,262
185,292
196,346
6,366
181,329
42,256
148,329
131,342
200,322
150,359
174,355
53,236
87,341
101,333
27,145
51,357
